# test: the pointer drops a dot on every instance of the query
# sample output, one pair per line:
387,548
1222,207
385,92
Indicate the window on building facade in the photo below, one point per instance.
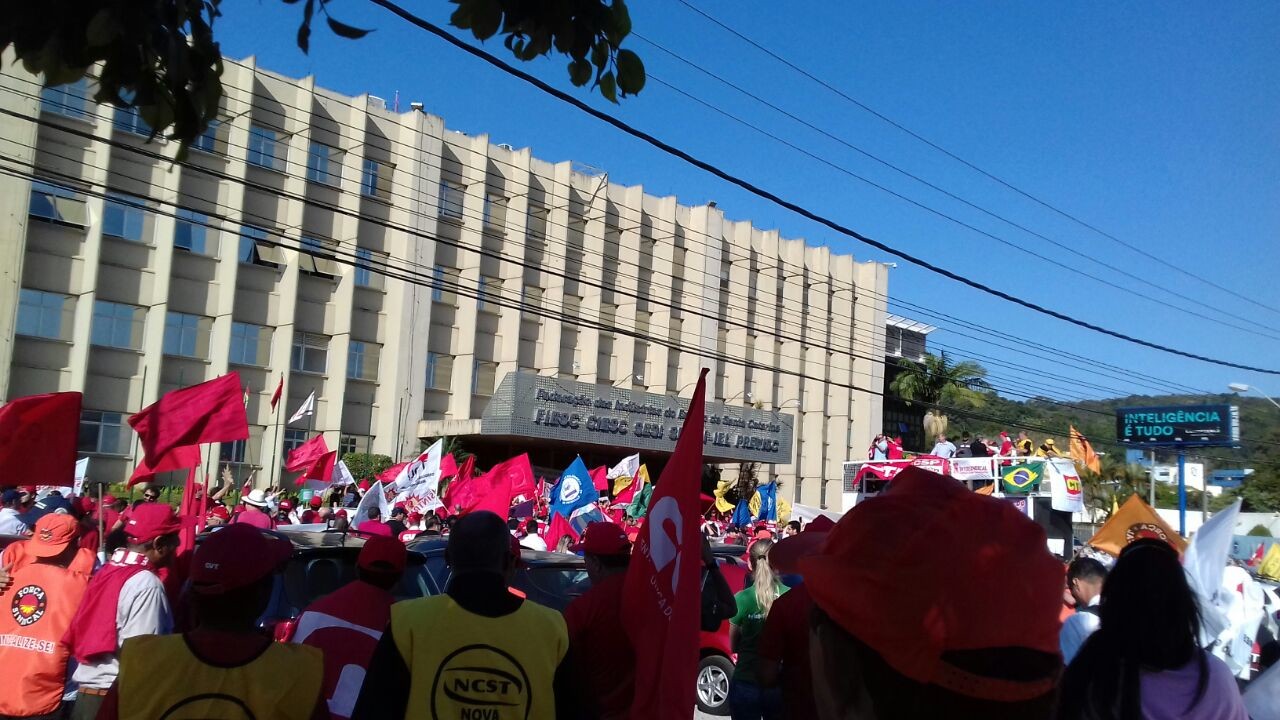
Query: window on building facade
451,197
265,148
292,440
484,378
323,164
487,290
208,140
191,231
45,314
362,360
375,179
310,353
117,325
128,119
250,344
70,100
57,203
187,335
367,269
124,217
233,452
437,284
257,249
439,371
104,433
348,444
316,257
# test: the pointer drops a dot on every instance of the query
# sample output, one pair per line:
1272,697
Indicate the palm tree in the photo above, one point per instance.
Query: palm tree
939,383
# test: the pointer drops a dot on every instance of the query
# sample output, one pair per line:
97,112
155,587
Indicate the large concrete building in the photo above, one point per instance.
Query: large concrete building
420,282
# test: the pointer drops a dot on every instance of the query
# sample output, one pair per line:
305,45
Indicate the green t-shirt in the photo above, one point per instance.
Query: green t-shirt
750,623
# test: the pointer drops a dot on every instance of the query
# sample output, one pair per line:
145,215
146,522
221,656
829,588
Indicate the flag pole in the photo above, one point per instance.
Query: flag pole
275,456
102,539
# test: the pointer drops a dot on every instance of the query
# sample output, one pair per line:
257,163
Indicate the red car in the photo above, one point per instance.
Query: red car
716,666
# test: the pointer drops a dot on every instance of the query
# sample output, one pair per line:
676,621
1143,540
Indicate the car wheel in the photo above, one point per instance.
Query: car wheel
713,684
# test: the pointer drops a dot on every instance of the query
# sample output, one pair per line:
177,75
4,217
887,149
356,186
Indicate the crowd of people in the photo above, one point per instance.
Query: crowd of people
886,447
928,601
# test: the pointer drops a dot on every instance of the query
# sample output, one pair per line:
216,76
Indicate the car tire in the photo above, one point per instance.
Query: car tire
714,673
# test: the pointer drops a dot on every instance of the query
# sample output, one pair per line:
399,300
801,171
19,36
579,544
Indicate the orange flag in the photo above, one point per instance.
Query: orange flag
1082,452
1135,520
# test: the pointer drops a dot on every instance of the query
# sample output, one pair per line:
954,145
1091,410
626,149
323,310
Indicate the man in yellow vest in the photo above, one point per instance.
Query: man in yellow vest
225,669
478,651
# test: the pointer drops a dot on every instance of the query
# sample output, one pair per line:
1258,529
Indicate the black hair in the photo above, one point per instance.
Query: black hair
513,524
479,542
531,526
614,562
373,513
1087,569
1150,621
794,525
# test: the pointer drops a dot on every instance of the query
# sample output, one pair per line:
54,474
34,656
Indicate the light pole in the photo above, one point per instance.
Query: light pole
1243,388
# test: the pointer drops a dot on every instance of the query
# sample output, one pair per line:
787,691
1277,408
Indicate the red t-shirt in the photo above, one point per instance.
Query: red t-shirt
601,649
785,639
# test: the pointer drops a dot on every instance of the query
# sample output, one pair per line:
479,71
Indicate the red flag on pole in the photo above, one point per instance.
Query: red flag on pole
600,479
179,458
557,528
321,469
661,596
490,491
38,437
275,396
301,457
209,412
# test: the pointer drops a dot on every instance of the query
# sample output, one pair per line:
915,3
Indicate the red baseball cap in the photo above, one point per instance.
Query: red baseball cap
286,504
341,512
108,499
52,534
220,512
915,572
149,521
236,556
316,502
603,538
385,554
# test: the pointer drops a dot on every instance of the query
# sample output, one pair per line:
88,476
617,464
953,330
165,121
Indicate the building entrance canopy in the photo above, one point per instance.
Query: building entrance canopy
529,405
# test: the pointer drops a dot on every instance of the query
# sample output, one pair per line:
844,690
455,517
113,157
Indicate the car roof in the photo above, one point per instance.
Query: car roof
531,558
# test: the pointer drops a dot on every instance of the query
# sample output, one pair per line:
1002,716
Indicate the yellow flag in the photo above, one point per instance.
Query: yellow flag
623,482
1082,451
1115,506
1270,567
722,487
754,504
784,512
1132,521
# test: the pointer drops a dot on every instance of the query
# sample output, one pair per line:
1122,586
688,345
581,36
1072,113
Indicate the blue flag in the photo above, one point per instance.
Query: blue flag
574,491
768,502
742,514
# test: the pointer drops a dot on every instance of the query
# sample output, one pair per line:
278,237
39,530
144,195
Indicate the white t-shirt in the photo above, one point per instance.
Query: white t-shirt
10,524
533,542
143,609
944,449
1076,630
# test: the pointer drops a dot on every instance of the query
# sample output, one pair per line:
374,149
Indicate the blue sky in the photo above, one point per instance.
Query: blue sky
1154,122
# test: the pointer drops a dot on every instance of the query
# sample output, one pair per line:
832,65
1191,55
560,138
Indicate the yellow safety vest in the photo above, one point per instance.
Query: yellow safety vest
471,667
161,678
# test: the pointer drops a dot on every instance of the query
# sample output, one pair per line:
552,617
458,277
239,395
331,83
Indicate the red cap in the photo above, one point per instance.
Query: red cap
51,535
149,521
85,505
341,512
236,556
385,554
108,499
915,572
364,485
415,517
786,553
28,489
286,504
316,502
763,534
604,538
219,512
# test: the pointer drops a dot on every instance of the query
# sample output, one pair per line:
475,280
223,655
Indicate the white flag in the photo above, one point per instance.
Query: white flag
628,467
341,475
372,499
82,471
418,484
308,408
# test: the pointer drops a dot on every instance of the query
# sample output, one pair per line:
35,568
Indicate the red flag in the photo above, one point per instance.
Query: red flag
490,491
275,396
557,528
320,469
209,412
179,458
661,595
388,476
600,478
38,437
1257,555
301,457
448,466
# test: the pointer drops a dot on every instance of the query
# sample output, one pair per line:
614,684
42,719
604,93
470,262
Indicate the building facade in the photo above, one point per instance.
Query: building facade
399,271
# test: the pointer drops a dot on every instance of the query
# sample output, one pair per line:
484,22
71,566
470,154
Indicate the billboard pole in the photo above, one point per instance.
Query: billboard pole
1182,493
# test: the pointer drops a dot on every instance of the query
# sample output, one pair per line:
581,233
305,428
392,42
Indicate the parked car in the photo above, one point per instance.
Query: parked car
324,561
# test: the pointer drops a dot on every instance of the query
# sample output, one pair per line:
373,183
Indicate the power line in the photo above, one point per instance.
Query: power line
1004,241
989,175
803,212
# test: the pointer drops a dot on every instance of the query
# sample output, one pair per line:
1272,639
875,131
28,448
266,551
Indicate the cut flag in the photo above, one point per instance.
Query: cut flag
179,458
1134,520
38,437
492,490
661,597
574,491
624,473
307,409
557,528
417,483
209,412
301,457
275,396
1082,451
628,493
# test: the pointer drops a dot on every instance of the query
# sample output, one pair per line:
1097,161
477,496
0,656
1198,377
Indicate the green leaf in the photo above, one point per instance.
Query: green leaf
608,87
342,29
580,72
486,18
631,75
600,54
304,30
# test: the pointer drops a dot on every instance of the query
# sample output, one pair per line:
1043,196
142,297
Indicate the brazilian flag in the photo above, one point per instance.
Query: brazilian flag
1021,479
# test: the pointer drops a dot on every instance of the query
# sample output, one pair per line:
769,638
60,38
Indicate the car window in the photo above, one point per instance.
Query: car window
307,579
553,586
423,577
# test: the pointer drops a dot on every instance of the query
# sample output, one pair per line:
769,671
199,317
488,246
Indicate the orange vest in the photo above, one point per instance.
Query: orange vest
34,614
